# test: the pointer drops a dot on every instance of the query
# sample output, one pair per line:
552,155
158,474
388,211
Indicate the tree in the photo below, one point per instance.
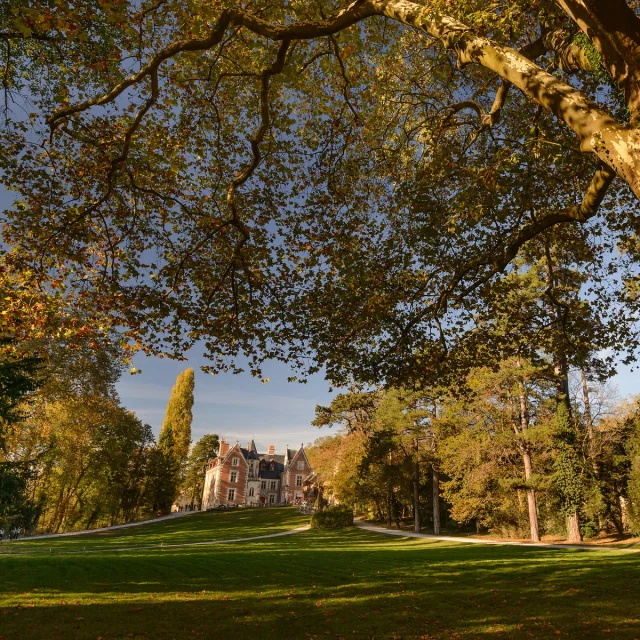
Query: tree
568,471
175,436
204,450
257,179
19,377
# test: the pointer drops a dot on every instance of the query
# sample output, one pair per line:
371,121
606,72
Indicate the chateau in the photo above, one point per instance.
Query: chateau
242,476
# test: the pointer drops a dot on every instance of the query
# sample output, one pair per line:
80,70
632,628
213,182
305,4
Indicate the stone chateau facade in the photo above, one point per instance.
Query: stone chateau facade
241,476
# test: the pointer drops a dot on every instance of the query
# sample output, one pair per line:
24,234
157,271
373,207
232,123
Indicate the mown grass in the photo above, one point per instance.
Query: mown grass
320,584
197,527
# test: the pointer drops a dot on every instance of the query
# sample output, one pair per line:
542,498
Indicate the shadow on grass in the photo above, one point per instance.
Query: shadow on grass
350,584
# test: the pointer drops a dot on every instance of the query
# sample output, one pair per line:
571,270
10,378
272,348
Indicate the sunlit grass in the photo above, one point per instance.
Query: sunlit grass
337,584
197,527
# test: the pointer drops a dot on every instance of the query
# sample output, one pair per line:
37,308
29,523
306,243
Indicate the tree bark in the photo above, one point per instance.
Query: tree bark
528,467
531,498
587,410
616,145
573,528
614,30
436,500
417,524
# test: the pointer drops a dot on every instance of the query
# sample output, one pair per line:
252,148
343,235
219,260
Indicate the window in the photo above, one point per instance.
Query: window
263,485
300,464
272,485
251,491
233,476
272,498
273,465
231,495
235,462
298,481
263,464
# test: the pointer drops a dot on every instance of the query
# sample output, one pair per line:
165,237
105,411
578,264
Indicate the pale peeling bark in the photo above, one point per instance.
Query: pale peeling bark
616,145
528,465
436,499
614,30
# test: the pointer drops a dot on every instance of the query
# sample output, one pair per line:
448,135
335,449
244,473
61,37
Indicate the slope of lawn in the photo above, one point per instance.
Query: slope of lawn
197,527
318,584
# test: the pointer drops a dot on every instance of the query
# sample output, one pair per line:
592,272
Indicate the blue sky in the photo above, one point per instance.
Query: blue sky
233,406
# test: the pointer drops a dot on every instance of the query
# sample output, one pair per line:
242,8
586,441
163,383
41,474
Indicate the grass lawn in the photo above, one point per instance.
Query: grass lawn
317,584
197,527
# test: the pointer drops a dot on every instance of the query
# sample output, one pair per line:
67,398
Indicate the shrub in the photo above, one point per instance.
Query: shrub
333,518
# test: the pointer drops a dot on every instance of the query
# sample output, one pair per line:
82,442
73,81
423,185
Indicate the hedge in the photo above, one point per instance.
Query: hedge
332,518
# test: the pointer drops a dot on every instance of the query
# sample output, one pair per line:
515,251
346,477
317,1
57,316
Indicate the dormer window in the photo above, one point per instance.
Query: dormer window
263,464
273,465
235,462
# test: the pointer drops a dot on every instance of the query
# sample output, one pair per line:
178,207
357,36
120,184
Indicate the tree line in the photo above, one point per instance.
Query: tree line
520,435
504,456
72,457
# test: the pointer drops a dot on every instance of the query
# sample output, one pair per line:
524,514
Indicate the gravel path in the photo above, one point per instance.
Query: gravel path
84,532
24,550
541,545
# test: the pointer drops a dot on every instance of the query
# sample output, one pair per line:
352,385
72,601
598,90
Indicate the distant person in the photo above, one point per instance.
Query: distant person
1,535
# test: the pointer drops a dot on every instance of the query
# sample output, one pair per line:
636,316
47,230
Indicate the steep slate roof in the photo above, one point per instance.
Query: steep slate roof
267,458
248,454
270,475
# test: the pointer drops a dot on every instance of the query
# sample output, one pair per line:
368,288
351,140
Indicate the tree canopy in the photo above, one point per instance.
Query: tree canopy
347,181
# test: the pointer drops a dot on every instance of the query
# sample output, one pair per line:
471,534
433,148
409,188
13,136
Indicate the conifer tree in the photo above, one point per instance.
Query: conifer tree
175,436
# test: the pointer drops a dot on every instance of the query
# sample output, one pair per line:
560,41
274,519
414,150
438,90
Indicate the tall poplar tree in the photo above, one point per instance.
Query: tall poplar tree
175,436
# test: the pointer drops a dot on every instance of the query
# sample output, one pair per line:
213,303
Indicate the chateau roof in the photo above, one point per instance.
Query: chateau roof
251,453
267,458
267,474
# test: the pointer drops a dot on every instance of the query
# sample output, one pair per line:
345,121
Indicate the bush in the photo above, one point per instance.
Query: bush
333,518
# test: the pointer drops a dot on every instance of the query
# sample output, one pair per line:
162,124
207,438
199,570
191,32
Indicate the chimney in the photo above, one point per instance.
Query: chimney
272,450
224,448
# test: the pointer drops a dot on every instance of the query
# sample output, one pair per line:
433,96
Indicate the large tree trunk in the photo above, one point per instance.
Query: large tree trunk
436,500
573,528
615,145
417,524
587,410
528,467
614,30
531,498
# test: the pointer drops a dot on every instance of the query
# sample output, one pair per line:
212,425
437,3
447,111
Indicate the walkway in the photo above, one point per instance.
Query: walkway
20,550
84,532
460,540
